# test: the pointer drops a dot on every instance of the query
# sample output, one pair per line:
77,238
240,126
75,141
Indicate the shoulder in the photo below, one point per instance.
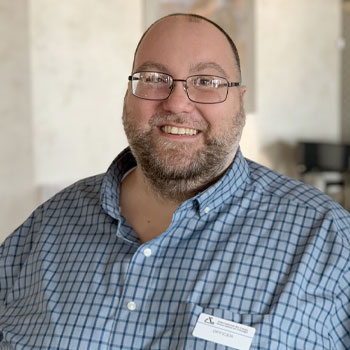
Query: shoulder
271,183
297,197
77,200
85,190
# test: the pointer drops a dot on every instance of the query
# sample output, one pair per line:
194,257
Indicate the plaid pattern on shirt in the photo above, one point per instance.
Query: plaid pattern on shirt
255,248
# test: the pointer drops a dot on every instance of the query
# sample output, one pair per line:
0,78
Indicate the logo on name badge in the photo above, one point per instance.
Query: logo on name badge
209,320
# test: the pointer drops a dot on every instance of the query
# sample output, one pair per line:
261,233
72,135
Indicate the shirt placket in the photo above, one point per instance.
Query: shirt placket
138,281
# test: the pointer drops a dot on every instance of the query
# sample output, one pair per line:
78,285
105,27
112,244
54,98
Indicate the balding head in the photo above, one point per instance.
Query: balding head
193,18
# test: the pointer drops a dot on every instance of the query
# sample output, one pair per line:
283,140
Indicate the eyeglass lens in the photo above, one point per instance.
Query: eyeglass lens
199,88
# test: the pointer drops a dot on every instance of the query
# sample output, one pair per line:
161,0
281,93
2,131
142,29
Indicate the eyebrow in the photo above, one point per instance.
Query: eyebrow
205,65
152,65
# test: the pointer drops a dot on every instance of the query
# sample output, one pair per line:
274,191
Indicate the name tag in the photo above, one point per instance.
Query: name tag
220,331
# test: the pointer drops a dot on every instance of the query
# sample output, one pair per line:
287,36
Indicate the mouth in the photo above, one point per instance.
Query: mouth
174,130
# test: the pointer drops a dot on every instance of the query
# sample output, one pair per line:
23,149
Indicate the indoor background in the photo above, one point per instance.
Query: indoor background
64,67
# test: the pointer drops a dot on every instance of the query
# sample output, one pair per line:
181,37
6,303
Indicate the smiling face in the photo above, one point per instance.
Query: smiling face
182,146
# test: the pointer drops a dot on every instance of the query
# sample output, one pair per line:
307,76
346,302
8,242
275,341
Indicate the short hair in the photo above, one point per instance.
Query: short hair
197,18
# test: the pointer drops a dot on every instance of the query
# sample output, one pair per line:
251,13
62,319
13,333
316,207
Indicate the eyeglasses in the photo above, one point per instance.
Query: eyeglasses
199,88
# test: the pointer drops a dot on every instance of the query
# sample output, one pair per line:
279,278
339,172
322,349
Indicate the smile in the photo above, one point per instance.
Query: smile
173,130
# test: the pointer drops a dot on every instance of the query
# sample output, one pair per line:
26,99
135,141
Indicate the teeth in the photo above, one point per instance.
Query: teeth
179,131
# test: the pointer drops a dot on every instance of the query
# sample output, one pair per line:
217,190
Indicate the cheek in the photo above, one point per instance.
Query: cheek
225,120
217,117
138,111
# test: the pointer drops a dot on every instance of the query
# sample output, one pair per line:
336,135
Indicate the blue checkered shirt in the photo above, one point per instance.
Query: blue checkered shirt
255,248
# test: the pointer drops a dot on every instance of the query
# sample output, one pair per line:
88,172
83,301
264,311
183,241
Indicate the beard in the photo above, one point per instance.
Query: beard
174,170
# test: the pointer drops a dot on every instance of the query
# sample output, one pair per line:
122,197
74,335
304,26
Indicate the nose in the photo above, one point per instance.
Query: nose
178,101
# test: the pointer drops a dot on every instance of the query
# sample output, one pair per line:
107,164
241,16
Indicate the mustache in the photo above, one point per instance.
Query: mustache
159,119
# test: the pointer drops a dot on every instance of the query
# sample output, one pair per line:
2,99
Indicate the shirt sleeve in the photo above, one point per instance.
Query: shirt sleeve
340,318
14,252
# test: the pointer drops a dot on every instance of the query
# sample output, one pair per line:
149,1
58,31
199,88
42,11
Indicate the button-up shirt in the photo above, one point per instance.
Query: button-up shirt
255,248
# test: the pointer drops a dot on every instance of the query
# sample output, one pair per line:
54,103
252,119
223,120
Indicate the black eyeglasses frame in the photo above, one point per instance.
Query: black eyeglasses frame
229,84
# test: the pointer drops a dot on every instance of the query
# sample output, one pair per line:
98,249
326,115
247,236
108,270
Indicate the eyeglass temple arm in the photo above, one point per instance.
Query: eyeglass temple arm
231,83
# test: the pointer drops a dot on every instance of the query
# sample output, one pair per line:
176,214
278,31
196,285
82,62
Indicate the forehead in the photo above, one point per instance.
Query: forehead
180,46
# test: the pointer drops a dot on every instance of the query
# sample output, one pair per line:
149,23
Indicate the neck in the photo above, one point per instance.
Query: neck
148,213
150,191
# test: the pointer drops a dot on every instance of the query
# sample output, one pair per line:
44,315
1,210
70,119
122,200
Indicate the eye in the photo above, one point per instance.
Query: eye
203,82
208,82
154,78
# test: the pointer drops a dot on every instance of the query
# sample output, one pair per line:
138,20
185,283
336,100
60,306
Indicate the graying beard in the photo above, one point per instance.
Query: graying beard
179,184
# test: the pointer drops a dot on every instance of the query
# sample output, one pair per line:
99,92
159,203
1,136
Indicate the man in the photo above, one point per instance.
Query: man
183,243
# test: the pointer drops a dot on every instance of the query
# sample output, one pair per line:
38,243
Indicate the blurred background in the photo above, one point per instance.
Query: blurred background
64,67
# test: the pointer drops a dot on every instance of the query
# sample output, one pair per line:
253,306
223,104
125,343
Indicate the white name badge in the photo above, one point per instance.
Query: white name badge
220,331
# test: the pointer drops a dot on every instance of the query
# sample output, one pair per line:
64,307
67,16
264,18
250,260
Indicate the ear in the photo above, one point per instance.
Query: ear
126,94
243,91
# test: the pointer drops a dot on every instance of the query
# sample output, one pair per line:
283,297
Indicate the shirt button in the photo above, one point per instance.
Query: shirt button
147,252
131,305
206,210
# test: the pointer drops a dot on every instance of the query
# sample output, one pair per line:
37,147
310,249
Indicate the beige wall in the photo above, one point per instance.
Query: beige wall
81,57
64,68
297,79
17,193
345,76
65,65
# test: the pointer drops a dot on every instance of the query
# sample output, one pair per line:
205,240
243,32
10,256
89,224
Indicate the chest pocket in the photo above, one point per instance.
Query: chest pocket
186,340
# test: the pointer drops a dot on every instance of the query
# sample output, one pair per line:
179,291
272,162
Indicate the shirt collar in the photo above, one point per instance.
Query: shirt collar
110,191
228,186
214,196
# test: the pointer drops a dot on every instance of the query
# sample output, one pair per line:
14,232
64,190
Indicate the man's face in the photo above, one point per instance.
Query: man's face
177,141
